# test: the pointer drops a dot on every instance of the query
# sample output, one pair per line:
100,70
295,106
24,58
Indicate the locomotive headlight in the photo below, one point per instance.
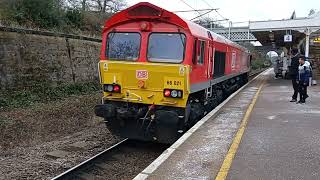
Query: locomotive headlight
174,93
109,88
112,88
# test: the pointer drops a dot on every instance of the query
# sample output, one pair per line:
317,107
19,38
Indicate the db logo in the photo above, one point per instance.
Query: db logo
141,74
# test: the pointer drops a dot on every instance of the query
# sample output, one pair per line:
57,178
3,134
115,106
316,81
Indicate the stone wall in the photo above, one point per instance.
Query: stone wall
31,59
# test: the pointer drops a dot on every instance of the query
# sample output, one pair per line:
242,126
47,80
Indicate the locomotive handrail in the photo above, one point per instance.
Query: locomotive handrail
139,97
131,99
113,97
169,102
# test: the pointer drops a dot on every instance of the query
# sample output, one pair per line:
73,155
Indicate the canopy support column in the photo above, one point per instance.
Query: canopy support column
307,32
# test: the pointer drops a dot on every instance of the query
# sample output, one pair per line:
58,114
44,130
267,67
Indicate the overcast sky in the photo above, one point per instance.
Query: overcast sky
240,10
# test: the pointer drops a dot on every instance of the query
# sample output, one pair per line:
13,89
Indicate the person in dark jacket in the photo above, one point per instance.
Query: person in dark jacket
302,78
293,71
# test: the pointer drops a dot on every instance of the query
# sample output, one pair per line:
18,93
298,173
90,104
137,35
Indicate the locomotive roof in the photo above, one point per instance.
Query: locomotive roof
145,10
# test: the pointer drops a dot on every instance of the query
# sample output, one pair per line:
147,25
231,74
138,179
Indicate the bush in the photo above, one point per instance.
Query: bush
44,93
39,13
74,17
64,16
258,64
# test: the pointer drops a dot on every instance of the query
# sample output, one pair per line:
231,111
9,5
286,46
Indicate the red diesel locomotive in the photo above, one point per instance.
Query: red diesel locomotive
161,74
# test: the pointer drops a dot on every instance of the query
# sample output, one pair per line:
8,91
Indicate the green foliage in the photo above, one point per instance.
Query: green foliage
59,15
43,14
74,17
258,64
44,93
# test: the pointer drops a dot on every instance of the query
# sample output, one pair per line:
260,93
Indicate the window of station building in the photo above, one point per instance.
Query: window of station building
166,47
123,46
201,52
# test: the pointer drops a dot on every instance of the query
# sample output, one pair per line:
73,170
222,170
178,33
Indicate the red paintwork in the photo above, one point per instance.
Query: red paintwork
166,21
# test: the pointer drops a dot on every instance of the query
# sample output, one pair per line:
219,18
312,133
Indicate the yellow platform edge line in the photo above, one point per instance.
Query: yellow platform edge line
225,167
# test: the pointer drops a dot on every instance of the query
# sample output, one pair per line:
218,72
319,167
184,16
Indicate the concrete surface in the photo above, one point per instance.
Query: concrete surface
281,141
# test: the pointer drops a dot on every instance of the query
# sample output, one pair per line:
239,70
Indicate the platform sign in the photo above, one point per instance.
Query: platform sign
316,40
287,38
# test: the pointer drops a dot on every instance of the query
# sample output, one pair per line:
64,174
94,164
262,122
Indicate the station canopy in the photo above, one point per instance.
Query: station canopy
284,32
274,33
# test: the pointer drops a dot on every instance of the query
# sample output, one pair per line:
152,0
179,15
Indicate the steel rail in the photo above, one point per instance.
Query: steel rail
75,168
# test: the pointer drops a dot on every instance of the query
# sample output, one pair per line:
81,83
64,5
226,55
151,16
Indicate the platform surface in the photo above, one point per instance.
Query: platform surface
280,141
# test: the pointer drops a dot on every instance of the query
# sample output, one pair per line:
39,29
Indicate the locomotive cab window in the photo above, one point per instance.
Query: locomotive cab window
166,47
201,52
123,46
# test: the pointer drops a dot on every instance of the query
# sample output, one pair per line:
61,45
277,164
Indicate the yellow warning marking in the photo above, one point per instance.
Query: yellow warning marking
223,172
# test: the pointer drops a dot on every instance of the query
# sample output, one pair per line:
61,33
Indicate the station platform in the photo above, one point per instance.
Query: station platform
255,134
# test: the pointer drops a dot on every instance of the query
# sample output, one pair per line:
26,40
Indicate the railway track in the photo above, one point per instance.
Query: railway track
123,160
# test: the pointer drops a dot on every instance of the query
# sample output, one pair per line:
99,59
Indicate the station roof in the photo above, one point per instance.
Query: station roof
298,24
272,32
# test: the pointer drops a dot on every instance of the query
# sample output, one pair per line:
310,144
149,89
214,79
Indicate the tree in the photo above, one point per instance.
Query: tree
102,6
61,15
311,12
208,22
34,12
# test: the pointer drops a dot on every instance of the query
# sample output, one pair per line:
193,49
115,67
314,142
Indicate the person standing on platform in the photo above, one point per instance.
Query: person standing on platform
303,78
293,71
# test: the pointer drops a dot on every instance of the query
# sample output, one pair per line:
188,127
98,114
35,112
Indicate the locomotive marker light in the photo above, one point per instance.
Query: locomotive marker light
116,88
145,26
109,88
174,93
167,93
112,88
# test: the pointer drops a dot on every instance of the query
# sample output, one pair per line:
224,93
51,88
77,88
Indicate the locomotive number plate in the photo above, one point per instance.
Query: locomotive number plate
142,74
173,83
